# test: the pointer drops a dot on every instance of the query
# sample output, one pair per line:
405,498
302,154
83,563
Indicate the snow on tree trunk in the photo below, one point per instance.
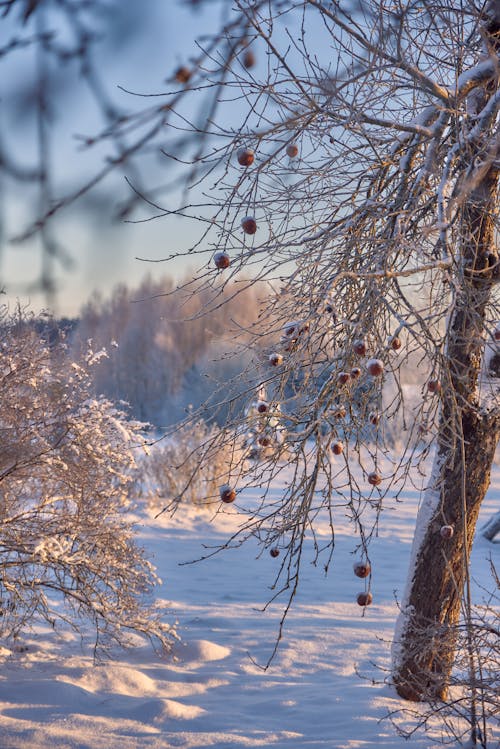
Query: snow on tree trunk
492,527
424,645
424,649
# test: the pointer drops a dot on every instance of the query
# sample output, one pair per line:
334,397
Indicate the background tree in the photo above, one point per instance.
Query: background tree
166,353
67,548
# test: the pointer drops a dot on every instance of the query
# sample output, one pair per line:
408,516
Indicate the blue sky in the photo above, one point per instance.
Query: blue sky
104,253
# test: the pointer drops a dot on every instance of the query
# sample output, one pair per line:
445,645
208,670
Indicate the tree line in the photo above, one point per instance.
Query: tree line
165,352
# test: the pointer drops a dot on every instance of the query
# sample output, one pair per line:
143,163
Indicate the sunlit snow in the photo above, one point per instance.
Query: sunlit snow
326,688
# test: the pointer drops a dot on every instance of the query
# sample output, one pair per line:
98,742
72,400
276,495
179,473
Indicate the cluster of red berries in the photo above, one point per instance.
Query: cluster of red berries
245,157
363,569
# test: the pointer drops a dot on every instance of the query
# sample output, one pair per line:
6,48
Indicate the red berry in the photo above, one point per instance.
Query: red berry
374,478
245,156
337,448
359,347
292,150
249,225
182,74
434,386
355,373
343,378
274,552
375,367
289,344
364,599
262,407
361,569
374,417
227,494
222,260
447,531
496,332
264,441
275,360
395,342
248,59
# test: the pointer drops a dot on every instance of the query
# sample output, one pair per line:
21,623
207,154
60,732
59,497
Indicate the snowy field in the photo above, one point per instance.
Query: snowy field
324,690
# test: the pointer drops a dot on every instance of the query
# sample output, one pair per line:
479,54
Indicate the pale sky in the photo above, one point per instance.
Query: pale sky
103,254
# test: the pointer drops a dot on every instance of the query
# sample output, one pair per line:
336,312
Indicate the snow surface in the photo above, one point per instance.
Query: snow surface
324,690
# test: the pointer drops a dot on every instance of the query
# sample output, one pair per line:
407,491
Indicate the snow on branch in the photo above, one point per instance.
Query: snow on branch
476,76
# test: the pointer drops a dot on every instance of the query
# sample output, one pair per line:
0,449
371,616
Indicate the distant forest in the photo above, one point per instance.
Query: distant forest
168,347
162,349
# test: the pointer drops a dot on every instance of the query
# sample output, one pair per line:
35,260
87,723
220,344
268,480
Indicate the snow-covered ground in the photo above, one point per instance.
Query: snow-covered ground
324,690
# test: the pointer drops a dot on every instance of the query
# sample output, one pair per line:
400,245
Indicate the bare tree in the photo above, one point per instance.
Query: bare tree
362,183
67,547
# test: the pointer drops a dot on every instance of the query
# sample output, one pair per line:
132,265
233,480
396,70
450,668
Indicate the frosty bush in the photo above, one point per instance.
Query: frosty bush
67,549
172,469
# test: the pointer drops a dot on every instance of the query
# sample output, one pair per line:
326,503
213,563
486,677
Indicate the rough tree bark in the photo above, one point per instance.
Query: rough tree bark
467,439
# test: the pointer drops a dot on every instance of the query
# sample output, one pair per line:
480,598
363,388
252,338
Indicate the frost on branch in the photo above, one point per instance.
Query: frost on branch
379,247
67,549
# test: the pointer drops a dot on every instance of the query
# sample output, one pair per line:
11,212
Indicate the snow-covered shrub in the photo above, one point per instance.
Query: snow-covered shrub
67,548
172,469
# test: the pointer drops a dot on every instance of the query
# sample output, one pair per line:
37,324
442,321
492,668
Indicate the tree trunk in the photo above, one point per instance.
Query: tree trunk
432,609
424,643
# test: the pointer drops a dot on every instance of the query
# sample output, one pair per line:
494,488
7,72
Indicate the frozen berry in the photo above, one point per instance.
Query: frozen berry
245,156
375,367
248,59
364,599
359,347
434,386
182,74
227,494
374,478
361,569
222,260
249,225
